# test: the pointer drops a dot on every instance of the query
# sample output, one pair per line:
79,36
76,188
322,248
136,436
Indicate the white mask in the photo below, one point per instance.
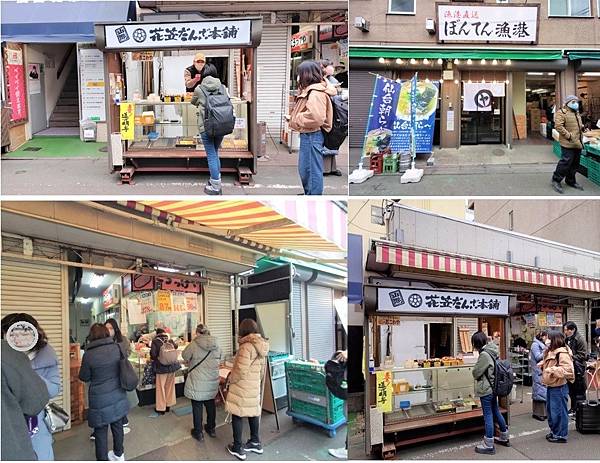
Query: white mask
547,342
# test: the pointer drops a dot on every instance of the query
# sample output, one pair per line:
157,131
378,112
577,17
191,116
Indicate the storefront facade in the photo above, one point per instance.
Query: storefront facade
518,55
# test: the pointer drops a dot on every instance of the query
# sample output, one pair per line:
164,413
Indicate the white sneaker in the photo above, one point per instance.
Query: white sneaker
126,430
113,457
341,453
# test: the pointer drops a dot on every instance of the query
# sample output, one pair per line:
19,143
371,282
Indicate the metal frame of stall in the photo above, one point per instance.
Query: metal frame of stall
244,163
420,429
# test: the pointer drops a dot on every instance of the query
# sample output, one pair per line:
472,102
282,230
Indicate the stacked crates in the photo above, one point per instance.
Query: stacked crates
593,168
309,398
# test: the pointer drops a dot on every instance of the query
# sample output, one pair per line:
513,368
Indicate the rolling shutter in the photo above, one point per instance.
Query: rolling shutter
218,315
577,314
321,322
273,78
361,93
37,288
297,308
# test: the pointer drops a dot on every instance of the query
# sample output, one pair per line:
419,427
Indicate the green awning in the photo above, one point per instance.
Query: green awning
363,52
573,55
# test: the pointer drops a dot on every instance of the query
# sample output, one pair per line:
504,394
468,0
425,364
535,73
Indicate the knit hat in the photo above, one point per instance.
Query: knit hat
571,98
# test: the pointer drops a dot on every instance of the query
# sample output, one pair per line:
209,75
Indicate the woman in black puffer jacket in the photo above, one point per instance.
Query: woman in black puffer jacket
108,403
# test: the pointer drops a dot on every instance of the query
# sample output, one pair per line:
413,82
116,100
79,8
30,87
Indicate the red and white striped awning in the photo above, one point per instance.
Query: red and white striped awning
404,256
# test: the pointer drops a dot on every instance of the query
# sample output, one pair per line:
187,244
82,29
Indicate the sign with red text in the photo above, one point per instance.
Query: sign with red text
488,23
177,284
17,93
302,41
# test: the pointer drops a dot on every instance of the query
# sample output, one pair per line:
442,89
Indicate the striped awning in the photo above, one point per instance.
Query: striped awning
404,256
310,225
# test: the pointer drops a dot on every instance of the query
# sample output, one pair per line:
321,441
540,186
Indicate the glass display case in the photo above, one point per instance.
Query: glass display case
420,393
162,125
140,358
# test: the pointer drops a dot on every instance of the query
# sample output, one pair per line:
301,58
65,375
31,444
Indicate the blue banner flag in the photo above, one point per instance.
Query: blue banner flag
382,116
417,103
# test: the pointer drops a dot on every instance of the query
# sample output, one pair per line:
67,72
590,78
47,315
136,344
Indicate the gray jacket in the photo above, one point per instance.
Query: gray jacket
209,85
483,371
203,382
23,393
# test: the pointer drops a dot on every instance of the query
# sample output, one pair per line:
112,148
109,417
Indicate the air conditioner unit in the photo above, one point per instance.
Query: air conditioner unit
361,23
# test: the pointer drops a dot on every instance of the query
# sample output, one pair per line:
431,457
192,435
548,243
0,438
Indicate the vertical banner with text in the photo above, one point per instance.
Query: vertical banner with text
382,115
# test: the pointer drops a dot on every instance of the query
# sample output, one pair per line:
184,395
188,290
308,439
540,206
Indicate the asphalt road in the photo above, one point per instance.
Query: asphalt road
91,177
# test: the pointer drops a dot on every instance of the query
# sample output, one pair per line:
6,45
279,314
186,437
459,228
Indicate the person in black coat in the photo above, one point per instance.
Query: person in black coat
108,403
165,373
578,346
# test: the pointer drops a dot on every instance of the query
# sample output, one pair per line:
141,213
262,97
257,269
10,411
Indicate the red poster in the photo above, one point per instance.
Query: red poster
16,84
178,284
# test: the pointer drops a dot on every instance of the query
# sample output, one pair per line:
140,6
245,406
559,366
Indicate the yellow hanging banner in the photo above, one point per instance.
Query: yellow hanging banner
384,390
163,301
127,115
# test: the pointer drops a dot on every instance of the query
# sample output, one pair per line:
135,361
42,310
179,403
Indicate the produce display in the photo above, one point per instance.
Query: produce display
435,362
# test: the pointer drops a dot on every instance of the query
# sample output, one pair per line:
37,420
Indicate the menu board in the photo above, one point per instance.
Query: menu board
91,70
17,93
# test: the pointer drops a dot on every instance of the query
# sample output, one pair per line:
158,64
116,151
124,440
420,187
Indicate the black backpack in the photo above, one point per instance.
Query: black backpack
219,119
503,377
339,130
335,379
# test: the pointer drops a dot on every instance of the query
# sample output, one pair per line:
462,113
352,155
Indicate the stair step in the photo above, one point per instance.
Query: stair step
71,109
68,102
69,94
62,124
64,117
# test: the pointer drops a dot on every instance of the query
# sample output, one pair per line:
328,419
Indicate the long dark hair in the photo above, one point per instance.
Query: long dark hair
13,318
309,73
248,326
557,340
115,326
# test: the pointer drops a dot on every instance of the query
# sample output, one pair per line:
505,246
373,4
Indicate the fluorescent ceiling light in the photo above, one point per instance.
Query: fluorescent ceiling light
535,73
96,280
84,300
167,269
591,74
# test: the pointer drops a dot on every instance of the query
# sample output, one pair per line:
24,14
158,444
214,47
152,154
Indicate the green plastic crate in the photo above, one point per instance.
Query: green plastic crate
336,410
306,377
593,168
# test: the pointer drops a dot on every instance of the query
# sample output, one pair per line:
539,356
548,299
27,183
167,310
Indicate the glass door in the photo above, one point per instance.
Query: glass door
483,127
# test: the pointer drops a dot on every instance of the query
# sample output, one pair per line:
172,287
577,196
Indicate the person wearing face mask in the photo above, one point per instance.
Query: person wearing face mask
569,125
45,363
193,74
538,390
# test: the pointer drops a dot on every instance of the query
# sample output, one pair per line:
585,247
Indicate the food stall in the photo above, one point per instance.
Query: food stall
153,126
420,358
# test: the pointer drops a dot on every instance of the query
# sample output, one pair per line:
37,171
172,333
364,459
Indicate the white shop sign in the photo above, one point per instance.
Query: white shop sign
181,34
489,24
478,96
91,70
423,301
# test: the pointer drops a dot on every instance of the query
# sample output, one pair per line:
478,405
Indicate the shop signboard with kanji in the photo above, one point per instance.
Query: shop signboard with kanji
430,301
488,23
384,391
178,34
15,76
126,118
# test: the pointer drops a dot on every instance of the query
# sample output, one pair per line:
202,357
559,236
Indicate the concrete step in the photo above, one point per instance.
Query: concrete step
69,94
62,124
68,102
72,109
64,117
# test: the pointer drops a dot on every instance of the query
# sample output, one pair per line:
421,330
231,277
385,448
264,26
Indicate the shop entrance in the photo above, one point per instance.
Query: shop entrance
588,91
483,127
540,91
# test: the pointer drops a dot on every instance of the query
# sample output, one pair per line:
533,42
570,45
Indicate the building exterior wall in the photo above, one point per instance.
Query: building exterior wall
406,29
551,220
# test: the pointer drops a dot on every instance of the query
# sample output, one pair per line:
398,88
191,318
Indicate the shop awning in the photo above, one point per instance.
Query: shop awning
311,225
573,55
59,22
440,52
426,260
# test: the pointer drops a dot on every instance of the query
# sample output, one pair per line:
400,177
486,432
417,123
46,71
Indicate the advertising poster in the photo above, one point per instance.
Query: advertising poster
179,304
191,302
134,310
384,393
91,73
146,302
382,115
126,119
163,301
425,104
16,84
33,72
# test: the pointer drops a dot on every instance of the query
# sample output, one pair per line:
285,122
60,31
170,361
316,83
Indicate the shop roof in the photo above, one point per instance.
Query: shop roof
466,53
573,55
316,227
59,22
426,260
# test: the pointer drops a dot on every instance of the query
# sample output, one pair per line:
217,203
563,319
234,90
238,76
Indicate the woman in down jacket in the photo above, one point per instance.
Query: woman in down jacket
538,390
245,381
203,357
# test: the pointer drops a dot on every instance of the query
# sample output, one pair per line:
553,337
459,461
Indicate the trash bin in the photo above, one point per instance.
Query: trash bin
88,129
261,128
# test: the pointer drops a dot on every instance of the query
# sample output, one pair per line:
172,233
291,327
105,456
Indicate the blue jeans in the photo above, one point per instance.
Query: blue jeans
558,412
310,164
491,412
211,146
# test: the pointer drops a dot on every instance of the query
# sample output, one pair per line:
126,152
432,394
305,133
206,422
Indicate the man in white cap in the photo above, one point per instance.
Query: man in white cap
193,73
570,128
